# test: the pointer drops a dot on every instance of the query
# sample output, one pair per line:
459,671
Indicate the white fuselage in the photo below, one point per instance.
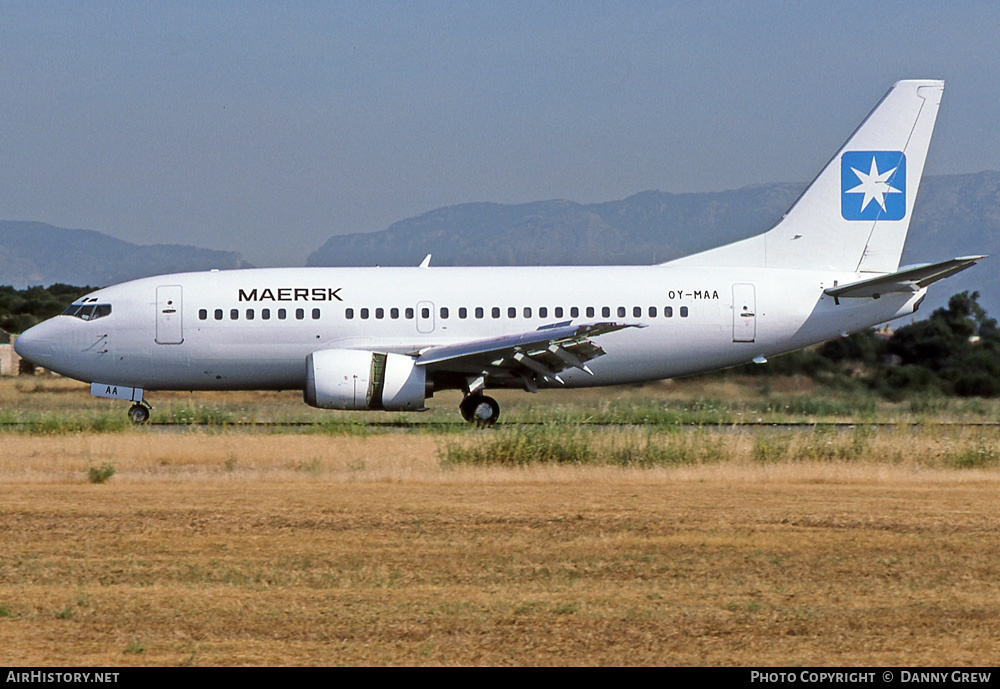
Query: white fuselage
253,329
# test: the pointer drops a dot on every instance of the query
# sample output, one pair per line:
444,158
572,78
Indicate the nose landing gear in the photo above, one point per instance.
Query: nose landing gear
479,409
138,413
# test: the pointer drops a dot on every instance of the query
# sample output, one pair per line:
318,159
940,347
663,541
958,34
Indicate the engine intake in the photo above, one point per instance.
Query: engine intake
358,379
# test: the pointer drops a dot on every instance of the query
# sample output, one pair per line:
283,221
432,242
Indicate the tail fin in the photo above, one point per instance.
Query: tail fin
855,214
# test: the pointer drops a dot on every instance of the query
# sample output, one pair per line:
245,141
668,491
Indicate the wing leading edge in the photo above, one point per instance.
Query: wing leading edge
544,353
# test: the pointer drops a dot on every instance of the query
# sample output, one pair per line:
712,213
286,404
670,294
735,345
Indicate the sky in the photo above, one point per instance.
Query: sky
268,127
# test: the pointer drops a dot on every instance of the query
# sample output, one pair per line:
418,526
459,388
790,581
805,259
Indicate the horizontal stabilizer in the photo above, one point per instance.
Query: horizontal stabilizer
908,280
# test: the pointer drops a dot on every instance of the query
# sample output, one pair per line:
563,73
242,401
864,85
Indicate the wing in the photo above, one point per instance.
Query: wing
541,353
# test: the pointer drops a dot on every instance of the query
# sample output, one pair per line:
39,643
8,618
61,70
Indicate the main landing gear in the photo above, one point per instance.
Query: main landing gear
138,413
480,410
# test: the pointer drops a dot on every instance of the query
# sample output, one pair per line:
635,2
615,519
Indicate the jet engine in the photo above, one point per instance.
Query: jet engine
358,379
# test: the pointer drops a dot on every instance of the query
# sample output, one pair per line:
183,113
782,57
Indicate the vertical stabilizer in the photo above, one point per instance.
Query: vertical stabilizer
855,214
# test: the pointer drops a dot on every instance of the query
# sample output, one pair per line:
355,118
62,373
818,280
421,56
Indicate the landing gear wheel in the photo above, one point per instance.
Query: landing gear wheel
465,407
480,410
138,414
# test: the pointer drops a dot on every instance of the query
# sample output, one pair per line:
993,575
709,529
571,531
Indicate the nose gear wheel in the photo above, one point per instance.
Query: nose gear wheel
138,414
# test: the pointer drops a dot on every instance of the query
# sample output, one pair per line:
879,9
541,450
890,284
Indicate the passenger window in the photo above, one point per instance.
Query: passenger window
636,311
265,314
409,313
574,312
590,312
652,312
202,314
218,314
527,312
444,312
249,314
684,312
463,312
511,312
425,312
543,312
479,312
364,313
300,314
380,313
495,312
668,311
281,314
394,313
315,314
234,314
348,313
621,312
605,312
559,312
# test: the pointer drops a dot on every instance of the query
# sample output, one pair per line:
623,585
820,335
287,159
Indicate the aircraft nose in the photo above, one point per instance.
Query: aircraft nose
35,344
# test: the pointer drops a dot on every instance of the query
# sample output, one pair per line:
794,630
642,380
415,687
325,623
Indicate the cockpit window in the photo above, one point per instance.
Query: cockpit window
88,312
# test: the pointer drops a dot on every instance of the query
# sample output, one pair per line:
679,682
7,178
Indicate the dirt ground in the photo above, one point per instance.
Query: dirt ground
242,549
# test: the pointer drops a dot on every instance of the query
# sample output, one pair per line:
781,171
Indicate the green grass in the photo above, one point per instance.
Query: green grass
768,408
823,443
205,415
61,424
521,445
979,453
57,407
560,444
101,474
135,648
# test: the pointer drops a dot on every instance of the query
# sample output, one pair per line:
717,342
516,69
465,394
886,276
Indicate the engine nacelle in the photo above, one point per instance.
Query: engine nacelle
358,379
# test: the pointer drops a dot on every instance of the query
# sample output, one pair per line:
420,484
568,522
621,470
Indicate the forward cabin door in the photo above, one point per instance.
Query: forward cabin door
169,327
744,313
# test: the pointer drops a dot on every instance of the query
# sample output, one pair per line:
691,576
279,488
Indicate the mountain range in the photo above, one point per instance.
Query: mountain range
955,215
34,253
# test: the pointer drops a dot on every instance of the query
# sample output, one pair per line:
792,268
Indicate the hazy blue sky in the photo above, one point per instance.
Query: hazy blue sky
268,127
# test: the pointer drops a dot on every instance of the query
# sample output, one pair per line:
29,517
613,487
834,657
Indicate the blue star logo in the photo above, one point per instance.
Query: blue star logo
873,185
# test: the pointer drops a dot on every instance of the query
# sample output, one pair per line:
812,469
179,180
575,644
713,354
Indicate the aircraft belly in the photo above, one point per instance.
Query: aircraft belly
230,374
829,320
658,352
240,364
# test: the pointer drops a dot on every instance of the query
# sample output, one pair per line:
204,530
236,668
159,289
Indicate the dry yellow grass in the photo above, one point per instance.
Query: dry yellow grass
242,548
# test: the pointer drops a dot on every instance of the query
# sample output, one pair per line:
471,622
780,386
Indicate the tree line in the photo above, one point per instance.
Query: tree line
956,351
22,308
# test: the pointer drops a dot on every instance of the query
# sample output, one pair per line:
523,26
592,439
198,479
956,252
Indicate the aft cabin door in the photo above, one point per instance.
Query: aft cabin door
168,315
744,313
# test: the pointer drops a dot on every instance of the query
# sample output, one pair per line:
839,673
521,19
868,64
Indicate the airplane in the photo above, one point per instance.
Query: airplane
388,338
